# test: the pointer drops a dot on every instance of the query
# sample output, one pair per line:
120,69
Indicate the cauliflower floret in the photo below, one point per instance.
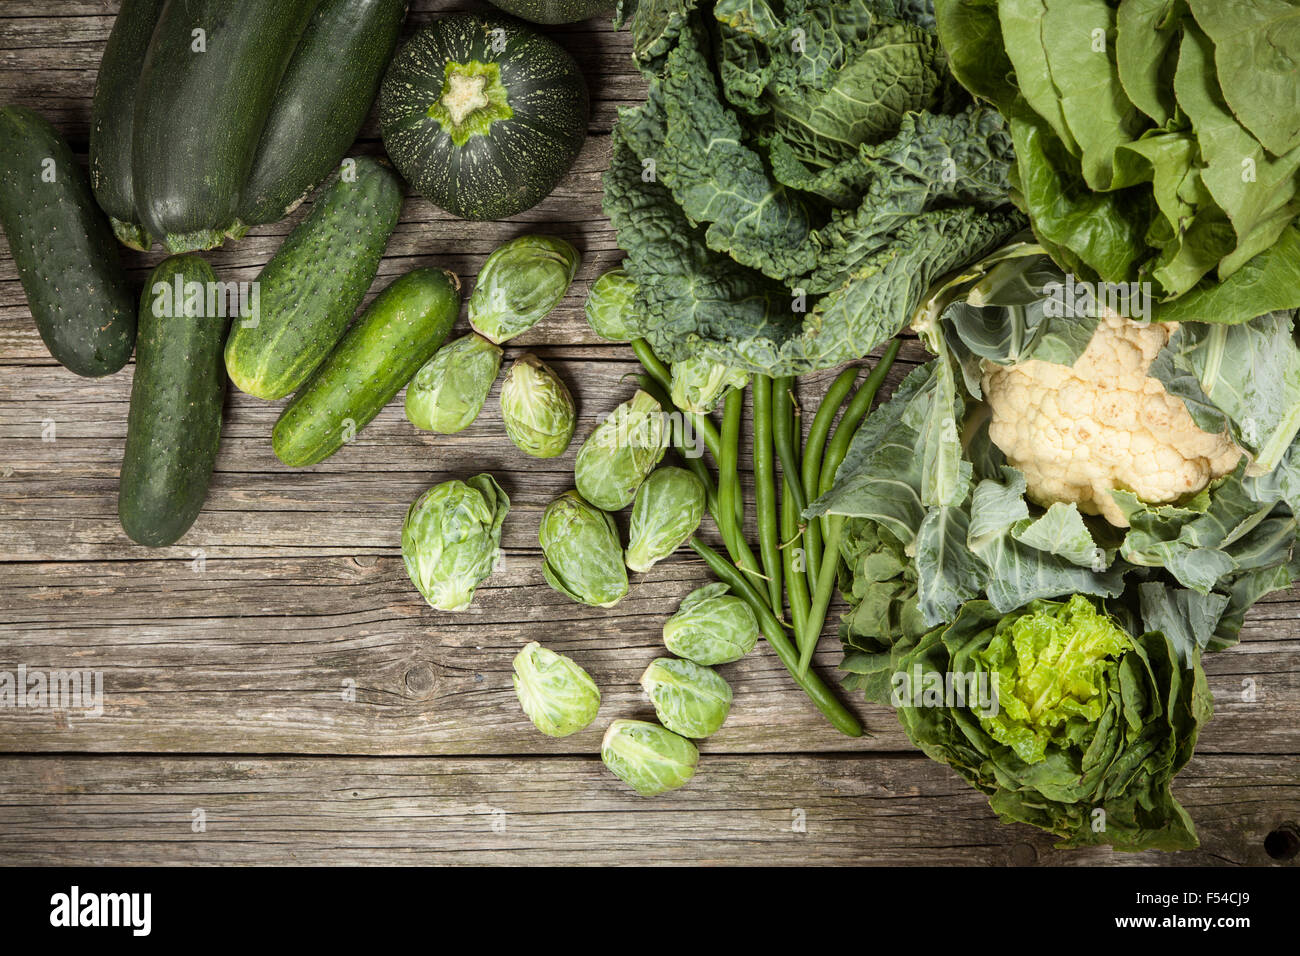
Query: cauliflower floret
1077,433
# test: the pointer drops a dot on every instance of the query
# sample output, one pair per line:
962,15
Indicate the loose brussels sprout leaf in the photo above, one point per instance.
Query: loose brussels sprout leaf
647,757
521,282
689,699
610,309
537,409
581,552
559,697
698,384
711,627
669,506
452,537
621,452
446,394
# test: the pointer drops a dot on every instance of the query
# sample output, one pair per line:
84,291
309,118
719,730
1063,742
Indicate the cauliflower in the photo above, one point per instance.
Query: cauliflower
1080,432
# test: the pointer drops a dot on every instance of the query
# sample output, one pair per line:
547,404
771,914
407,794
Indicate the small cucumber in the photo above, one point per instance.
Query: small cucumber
63,247
322,101
112,118
313,285
396,334
174,425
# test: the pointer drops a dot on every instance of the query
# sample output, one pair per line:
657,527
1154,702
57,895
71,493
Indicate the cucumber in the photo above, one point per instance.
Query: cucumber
206,89
316,280
174,425
112,115
322,101
396,334
63,247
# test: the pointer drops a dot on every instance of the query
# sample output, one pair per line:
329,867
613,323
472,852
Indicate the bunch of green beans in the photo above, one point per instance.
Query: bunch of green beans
798,561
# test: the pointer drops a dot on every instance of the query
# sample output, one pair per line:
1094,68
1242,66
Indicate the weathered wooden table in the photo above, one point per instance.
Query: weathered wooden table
276,691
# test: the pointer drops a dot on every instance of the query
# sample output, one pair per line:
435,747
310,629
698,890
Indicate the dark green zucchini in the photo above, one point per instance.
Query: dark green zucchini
398,332
314,283
112,115
206,89
322,101
63,247
556,11
174,426
482,114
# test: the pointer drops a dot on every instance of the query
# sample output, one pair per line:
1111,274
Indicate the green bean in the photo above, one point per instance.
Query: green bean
784,431
812,463
656,369
821,599
769,544
730,500
796,582
852,418
811,684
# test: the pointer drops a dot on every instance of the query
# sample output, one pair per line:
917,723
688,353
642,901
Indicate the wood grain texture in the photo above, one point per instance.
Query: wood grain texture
852,809
234,648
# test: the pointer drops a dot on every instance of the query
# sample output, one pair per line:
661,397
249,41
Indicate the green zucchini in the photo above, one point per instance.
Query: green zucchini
322,101
206,89
483,114
313,285
112,114
174,425
63,247
398,332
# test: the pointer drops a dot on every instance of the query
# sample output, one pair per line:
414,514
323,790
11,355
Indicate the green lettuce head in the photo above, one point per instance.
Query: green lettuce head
688,699
621,452
669,507
699,383
1066,721
581,552
519,285
559,697
446,394
451,539
610,310
537,409
712,627
647,757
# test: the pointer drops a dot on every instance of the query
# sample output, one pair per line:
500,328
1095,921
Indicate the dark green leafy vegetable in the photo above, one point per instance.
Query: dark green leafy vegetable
787,193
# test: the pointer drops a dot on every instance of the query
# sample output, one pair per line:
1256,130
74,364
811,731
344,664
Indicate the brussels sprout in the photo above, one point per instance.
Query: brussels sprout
711,627
581,552
698,384
537,409
559,697
669,506
623,449
447,393
689,699
610,308
647,757
452,537
521,282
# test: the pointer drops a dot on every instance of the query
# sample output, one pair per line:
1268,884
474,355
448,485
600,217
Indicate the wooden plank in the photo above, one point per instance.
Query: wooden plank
857,809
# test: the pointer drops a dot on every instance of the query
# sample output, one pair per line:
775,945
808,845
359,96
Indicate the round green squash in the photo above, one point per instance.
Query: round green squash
483,115
556,11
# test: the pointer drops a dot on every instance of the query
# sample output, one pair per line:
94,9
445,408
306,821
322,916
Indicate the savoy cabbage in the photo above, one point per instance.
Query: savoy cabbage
800,174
